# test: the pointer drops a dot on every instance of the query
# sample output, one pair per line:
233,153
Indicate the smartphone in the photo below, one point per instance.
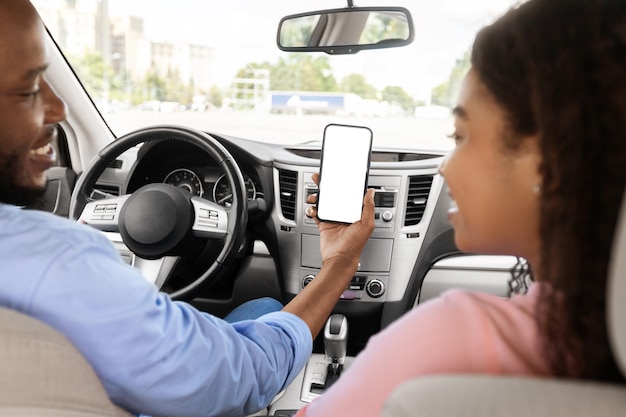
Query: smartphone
344,169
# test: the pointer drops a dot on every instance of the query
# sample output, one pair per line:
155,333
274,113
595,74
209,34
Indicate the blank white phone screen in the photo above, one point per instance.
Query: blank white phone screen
344,168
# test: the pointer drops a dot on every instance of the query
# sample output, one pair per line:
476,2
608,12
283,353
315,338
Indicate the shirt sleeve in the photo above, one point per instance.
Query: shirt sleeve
161,357
455,333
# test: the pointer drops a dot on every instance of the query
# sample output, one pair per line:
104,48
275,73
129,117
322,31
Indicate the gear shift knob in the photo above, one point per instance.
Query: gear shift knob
336,340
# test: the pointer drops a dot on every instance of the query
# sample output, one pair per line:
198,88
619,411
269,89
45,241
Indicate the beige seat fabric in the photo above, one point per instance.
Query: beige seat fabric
43,375
489,396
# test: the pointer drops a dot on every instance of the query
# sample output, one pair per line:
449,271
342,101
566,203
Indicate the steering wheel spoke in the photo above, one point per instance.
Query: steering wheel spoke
155,271
104,214
210,219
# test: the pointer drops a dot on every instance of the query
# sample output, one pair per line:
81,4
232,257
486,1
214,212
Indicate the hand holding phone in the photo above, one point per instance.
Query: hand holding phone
344,169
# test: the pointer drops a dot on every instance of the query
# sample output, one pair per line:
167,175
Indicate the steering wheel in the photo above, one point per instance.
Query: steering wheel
157,222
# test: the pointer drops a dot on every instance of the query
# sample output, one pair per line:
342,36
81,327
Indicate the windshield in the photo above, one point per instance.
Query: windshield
215,68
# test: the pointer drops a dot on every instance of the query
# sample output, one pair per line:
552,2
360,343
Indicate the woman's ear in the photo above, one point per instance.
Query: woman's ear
529,161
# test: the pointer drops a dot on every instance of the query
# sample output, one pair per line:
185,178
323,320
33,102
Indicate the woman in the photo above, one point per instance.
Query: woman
538,172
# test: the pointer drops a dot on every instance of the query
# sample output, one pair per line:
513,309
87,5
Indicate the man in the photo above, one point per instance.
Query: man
154,356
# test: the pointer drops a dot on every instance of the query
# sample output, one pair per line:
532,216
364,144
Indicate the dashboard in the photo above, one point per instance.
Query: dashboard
182,166
411,231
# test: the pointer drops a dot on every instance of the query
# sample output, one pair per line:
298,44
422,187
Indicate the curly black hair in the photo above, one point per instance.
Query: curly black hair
558,68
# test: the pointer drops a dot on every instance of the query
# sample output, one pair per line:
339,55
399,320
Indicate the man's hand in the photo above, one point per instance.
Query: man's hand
339,240
341,246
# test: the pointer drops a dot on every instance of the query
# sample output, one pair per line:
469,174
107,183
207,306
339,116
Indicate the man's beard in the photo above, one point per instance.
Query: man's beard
11,193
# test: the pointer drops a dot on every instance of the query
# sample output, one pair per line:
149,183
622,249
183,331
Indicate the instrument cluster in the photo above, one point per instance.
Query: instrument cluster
210,184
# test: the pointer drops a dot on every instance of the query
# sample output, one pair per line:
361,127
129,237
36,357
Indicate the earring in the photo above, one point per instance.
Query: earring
536,189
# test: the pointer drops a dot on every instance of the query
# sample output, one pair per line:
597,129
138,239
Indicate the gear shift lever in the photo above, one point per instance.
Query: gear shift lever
336,342
335,349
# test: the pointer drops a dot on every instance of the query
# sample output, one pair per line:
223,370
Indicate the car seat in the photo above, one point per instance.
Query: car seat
490,396
43,375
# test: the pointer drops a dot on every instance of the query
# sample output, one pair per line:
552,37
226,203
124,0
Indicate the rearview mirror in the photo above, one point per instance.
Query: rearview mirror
346,31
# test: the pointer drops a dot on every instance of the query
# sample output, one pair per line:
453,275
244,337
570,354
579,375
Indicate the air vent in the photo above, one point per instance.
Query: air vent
419,188
288,183
116,164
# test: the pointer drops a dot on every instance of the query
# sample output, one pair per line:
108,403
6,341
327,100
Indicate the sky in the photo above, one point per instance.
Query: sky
444,31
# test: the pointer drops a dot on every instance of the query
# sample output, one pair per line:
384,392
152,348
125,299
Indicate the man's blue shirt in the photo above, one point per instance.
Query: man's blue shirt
154,356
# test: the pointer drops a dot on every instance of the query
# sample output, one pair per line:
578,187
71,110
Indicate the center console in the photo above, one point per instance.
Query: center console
371,282
402,213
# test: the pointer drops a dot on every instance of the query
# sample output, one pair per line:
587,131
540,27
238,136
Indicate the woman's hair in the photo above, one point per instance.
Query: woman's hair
558,68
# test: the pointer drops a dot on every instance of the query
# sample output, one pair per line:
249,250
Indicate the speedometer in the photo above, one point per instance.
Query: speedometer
185,179
223,195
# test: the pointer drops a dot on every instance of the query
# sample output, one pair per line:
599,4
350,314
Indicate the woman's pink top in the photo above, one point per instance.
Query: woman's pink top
459,332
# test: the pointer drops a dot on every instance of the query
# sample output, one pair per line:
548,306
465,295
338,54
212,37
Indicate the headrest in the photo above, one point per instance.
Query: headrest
616,287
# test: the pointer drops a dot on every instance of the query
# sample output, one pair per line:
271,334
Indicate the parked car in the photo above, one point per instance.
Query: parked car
144,52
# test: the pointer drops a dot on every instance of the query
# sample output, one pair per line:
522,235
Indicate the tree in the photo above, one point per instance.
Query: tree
312,74
155,85
445,94
297,32
396,95
93,72
357,84
175,89
215,96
